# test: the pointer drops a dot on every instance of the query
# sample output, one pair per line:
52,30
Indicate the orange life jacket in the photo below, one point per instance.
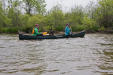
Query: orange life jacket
33,31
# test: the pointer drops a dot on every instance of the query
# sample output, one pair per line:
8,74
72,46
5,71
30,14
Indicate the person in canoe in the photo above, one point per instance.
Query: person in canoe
67,30
35,31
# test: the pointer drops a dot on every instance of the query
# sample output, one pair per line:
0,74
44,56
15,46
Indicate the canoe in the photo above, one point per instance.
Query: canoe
30,37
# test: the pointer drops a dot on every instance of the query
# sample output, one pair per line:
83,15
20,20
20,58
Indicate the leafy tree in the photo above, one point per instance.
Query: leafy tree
3,19
1,15
91,9
104,13
24,19
90,24
75,17
13,12
38,5
36,19
56,17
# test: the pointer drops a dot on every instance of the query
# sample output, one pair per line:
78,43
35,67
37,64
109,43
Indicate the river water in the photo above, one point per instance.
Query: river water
92,55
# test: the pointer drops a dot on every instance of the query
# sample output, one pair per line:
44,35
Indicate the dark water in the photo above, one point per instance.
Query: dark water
92,55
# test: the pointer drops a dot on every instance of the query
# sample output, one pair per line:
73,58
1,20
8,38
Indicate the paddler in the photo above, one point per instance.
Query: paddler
67,30
35,31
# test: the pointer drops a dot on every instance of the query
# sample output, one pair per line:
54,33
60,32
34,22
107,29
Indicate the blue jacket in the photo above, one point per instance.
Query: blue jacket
67,30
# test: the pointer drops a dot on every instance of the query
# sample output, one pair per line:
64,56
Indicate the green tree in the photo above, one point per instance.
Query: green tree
74,18
76,15
90,24
36,19
91,9
13,12
1,15
104,13
3,19
57,18
37,5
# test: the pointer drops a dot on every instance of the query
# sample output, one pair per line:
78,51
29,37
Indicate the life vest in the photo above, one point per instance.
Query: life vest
33,31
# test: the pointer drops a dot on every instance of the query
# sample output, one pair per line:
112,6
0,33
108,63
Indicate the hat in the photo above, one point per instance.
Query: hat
36,24
67,24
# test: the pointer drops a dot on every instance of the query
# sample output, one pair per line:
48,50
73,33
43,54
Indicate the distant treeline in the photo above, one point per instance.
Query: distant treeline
22,15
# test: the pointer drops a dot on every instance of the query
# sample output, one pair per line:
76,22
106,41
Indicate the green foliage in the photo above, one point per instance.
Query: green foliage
55,18
24,19
2,17
90,24
104,13
76,16
97,18
37,19
13,13
59,28
9,30
36,5
77,28
102,28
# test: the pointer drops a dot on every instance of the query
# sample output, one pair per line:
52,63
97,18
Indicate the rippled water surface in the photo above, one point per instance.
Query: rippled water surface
92,55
